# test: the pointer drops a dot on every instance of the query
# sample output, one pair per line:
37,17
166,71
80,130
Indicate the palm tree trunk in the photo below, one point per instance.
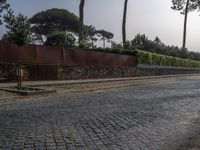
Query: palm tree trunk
124,23
81,16
185,26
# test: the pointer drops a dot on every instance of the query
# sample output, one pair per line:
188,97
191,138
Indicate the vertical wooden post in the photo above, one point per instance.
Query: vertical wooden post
63,55
36,57
19,70
1,50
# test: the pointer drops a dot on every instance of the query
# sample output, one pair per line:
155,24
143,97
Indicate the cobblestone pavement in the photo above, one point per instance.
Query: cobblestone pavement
6,95
147,117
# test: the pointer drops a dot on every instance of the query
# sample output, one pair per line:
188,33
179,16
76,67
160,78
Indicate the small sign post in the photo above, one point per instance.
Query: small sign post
19,74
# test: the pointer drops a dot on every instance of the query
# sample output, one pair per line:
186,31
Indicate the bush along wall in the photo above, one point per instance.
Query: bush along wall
149,58
114,51
163,60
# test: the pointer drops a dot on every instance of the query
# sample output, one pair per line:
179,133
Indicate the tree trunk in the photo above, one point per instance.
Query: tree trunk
41,39
185,26
81,16
104,43
124,23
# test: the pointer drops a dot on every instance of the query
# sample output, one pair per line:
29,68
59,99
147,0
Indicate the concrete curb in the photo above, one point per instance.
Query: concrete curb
37,91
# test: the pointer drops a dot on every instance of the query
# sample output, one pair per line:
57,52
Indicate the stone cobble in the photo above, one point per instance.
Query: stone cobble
136,117
5,95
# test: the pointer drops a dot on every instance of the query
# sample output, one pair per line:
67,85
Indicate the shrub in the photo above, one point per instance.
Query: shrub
61,39
152,58
162,60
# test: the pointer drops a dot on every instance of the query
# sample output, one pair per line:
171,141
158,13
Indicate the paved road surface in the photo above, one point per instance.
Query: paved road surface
148,117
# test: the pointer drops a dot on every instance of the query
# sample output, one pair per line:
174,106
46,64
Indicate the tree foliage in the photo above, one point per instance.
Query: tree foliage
163,60
89,33
3,6
54,20
46,23
51,21
181,5
18,28
18,33
104,36
61,39
142,42
89,37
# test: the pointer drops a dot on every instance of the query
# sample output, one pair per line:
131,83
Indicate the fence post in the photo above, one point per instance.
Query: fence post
1,51
36,59
101,59
63,55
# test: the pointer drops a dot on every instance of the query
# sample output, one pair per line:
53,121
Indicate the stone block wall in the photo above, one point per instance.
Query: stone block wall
7,71
92,72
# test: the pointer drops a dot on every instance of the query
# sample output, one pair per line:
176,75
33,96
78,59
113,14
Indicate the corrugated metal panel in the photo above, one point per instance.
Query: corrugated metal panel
44,55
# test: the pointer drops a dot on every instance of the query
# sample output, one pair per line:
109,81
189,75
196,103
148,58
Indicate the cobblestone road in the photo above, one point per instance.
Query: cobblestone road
147,117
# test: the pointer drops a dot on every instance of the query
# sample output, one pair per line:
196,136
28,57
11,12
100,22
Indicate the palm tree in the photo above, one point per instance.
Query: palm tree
81,17
124,23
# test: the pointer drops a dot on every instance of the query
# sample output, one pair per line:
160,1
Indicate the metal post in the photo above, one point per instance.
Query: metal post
19,79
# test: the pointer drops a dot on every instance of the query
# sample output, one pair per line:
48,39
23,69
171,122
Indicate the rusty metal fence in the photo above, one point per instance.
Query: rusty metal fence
44,55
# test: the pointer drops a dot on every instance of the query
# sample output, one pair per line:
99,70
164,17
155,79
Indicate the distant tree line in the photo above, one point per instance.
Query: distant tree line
142,42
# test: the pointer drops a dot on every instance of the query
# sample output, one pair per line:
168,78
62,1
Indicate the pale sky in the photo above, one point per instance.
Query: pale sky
152,17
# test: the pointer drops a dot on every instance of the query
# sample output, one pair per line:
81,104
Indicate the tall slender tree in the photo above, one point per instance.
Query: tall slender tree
81,19
185,25
185,6
124,23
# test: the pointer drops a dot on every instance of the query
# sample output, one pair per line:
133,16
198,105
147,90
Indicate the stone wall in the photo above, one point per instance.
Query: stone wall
7,72
92,72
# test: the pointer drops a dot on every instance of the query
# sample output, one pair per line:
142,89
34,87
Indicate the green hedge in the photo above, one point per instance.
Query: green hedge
163,60
152,58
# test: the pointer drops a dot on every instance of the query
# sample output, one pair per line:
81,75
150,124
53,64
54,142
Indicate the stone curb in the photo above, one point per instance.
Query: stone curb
118,86
46,83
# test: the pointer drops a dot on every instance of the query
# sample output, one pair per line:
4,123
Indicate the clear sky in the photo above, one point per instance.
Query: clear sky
152,17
